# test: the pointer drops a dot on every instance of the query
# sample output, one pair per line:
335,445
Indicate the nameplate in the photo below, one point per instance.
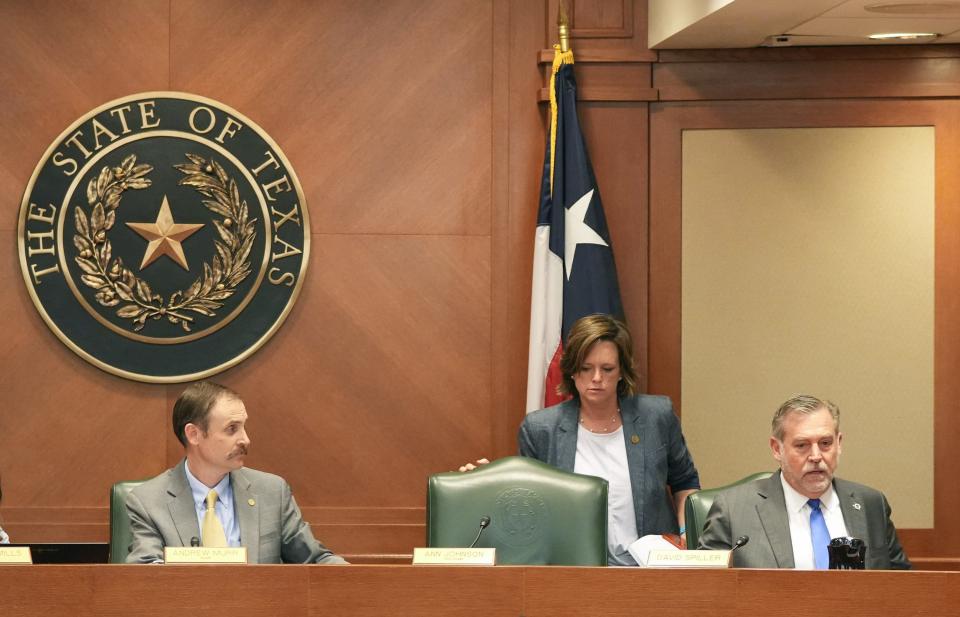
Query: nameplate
15,554
204,554
454,556
688,559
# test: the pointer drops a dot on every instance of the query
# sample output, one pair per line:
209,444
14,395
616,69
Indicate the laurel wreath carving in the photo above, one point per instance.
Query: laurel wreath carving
115,284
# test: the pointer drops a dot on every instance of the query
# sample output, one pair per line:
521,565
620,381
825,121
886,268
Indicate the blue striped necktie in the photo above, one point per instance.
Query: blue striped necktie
819,536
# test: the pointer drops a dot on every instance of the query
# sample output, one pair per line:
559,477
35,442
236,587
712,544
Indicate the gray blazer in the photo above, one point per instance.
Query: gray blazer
657,455
162,513
758,510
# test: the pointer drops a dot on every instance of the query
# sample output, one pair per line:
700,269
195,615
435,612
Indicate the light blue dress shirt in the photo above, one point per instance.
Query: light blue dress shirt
224,508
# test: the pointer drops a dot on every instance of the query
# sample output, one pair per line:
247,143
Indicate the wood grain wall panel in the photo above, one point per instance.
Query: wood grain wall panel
607,81
59,61
668,121
505,320
526,140
604,30
803,79
383,108
616,135
381,374
67,429
602,18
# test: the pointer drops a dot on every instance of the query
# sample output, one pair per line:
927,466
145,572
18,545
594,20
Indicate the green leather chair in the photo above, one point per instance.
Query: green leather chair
120,534
538,514
698,505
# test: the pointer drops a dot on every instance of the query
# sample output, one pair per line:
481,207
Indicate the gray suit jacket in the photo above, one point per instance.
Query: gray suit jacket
758,510
162,513
658,459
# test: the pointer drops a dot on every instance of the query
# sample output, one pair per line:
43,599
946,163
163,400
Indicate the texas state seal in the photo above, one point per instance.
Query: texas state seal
163,237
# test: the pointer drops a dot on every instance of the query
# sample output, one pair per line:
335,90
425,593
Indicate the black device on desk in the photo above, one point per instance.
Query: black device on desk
66,552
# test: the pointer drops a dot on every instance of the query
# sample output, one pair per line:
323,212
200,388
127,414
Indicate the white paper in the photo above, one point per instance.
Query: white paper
642,547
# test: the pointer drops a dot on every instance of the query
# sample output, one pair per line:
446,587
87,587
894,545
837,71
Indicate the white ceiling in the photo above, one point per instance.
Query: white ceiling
712,24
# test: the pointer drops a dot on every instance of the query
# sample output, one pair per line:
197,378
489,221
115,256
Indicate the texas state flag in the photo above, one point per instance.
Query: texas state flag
573,269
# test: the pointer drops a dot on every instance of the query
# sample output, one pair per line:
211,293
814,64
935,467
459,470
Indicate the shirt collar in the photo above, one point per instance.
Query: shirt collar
796,502
200,490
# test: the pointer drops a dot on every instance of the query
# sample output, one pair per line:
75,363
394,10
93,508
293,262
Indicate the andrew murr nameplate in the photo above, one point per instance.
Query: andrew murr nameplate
163,237
201,554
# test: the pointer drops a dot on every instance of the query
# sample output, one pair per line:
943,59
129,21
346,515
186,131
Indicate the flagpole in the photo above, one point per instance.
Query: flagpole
563,25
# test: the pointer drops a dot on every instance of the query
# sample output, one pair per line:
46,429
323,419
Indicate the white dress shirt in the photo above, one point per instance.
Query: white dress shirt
798,513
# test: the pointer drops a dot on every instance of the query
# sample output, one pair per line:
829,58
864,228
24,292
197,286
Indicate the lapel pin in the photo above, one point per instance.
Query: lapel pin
634,439
856,506
253,502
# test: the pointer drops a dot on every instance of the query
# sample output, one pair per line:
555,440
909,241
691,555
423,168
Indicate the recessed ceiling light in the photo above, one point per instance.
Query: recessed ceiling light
915,8
903,36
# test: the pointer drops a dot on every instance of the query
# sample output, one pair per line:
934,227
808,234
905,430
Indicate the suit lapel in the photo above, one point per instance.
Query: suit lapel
854,516
182,509
772,511
567,436
248,514
634,425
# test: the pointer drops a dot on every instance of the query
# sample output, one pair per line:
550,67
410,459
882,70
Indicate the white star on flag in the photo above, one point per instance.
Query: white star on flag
576,231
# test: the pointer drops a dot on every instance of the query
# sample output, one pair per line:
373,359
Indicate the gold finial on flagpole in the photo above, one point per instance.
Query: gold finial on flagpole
563,24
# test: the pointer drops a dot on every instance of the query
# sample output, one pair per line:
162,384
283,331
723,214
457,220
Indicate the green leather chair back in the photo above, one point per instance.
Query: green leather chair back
539,515
120,534
698,505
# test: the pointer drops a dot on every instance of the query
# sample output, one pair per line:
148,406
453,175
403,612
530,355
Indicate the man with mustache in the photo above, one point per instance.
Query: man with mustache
210,498
791,516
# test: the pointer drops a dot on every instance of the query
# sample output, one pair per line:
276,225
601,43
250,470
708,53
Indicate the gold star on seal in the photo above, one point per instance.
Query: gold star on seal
164,237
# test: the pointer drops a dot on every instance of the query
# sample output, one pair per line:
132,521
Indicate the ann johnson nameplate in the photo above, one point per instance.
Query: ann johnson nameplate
163,237
688,559
15,555
454,556
202,554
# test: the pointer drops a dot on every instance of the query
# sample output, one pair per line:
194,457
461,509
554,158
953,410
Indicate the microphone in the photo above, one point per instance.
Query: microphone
741,541
194,541
484,523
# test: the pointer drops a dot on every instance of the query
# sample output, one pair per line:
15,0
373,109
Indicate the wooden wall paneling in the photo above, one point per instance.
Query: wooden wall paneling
384,109
779,74
616,136
668,121
58,64
387,113
604,30
504,400
526,141
66,429
945,542
606,81
819,53
377,378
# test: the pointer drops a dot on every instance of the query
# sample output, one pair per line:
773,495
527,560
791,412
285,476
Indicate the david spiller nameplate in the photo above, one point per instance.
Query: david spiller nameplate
688,559
163,237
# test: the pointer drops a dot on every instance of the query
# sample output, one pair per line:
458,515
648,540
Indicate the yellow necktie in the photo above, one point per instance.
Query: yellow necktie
212,532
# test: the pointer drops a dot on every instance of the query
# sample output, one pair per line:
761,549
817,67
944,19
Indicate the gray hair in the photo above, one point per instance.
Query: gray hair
805,404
